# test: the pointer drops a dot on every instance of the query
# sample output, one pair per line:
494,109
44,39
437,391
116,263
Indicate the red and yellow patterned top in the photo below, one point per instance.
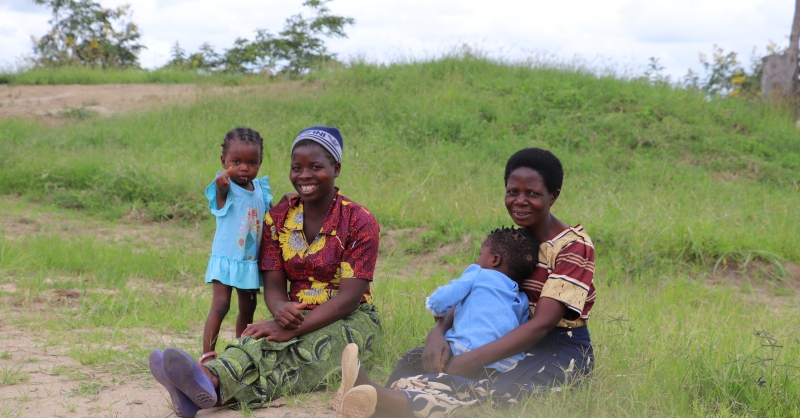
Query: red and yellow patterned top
346,247
565,272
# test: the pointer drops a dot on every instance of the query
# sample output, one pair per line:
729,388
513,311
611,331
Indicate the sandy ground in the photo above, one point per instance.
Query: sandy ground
50,101
52,390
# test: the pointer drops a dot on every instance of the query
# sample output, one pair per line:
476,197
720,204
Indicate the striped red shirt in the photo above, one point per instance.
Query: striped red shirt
565,272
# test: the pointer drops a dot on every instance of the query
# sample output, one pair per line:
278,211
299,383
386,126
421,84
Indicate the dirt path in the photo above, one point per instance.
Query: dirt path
46,382
53,104
52,101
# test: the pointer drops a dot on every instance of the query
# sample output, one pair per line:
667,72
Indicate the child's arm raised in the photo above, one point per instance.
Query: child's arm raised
223,182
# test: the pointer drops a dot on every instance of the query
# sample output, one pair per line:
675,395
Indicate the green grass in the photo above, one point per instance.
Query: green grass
87,75
669,186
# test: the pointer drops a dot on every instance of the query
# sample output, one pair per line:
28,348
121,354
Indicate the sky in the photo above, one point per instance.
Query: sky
618,34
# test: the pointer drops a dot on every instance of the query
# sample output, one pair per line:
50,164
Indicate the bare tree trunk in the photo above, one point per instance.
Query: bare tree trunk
780,72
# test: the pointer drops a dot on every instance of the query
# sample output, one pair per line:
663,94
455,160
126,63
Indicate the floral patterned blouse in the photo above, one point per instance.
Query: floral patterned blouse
346,247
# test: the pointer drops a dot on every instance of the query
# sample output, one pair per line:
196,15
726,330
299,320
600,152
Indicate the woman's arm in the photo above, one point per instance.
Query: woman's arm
546,316
275,291
336,308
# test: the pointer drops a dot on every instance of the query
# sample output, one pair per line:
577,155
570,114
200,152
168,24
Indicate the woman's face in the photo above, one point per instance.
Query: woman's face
312,173
527,199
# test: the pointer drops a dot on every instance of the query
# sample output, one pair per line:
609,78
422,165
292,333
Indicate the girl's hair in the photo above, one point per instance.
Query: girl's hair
518,247
242,134
311,143
540,160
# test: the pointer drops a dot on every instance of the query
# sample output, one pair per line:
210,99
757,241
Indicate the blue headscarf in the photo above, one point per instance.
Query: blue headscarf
327,136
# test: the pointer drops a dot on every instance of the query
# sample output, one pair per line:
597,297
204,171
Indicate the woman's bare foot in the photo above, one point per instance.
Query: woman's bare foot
363,379
210,376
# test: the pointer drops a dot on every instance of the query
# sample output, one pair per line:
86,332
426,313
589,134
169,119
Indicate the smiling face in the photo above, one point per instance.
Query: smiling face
312,173
245,158
527,199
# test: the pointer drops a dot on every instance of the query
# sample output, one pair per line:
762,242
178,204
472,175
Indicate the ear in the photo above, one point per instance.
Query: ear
222,160
554,196
496,260
337,168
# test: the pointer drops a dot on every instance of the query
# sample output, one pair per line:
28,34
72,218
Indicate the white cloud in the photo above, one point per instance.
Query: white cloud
626,32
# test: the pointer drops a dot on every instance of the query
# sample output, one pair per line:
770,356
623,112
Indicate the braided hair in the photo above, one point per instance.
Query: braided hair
518,247
245,135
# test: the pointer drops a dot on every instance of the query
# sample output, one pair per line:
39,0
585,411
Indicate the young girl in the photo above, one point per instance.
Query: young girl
238,200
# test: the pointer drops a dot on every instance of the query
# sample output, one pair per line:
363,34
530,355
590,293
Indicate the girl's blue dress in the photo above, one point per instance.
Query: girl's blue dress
234,254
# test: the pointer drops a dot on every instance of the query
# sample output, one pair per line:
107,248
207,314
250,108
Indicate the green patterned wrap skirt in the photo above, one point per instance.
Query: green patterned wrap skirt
256,371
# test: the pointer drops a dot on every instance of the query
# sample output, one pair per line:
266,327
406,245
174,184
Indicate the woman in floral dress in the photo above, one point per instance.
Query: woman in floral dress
324,246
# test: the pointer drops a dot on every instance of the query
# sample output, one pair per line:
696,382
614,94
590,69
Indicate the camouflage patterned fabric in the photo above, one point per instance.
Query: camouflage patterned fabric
257,371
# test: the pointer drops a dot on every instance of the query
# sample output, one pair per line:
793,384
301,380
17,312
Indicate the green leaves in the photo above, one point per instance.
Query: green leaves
84,33
294,50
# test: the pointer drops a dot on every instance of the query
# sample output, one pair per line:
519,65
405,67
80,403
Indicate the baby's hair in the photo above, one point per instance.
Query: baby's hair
518,247
245,135
311,143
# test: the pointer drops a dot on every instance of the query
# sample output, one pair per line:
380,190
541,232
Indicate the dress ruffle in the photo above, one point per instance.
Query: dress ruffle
241,274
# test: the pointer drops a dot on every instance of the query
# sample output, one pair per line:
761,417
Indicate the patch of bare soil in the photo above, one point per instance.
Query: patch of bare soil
761,281
424,263
54,104
35,219
45,382
104,99
39,379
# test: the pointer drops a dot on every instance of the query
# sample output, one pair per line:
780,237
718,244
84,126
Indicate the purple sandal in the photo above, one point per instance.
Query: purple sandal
181,404
183,372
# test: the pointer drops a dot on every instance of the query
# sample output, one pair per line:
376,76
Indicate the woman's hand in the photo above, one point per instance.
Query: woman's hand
269,330
462,365
289,315
436,352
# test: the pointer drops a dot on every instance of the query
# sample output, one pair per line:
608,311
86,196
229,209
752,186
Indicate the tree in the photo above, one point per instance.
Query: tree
780,72
177,56
84,33
294,50
299,44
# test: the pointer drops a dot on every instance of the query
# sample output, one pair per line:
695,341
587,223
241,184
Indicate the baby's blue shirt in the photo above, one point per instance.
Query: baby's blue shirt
488,305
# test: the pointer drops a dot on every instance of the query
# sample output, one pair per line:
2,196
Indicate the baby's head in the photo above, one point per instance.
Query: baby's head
512,251
242,154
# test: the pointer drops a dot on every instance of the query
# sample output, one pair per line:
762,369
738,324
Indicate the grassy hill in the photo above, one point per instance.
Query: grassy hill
667,183
653,172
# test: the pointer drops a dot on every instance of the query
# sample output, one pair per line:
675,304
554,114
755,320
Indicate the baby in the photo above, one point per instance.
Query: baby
487,296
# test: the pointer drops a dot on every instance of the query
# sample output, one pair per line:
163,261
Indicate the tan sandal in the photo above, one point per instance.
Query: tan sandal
360,402
205,358
350,366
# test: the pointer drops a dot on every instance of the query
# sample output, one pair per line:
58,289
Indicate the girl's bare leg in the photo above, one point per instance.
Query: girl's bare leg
247,308
220,304
391,403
